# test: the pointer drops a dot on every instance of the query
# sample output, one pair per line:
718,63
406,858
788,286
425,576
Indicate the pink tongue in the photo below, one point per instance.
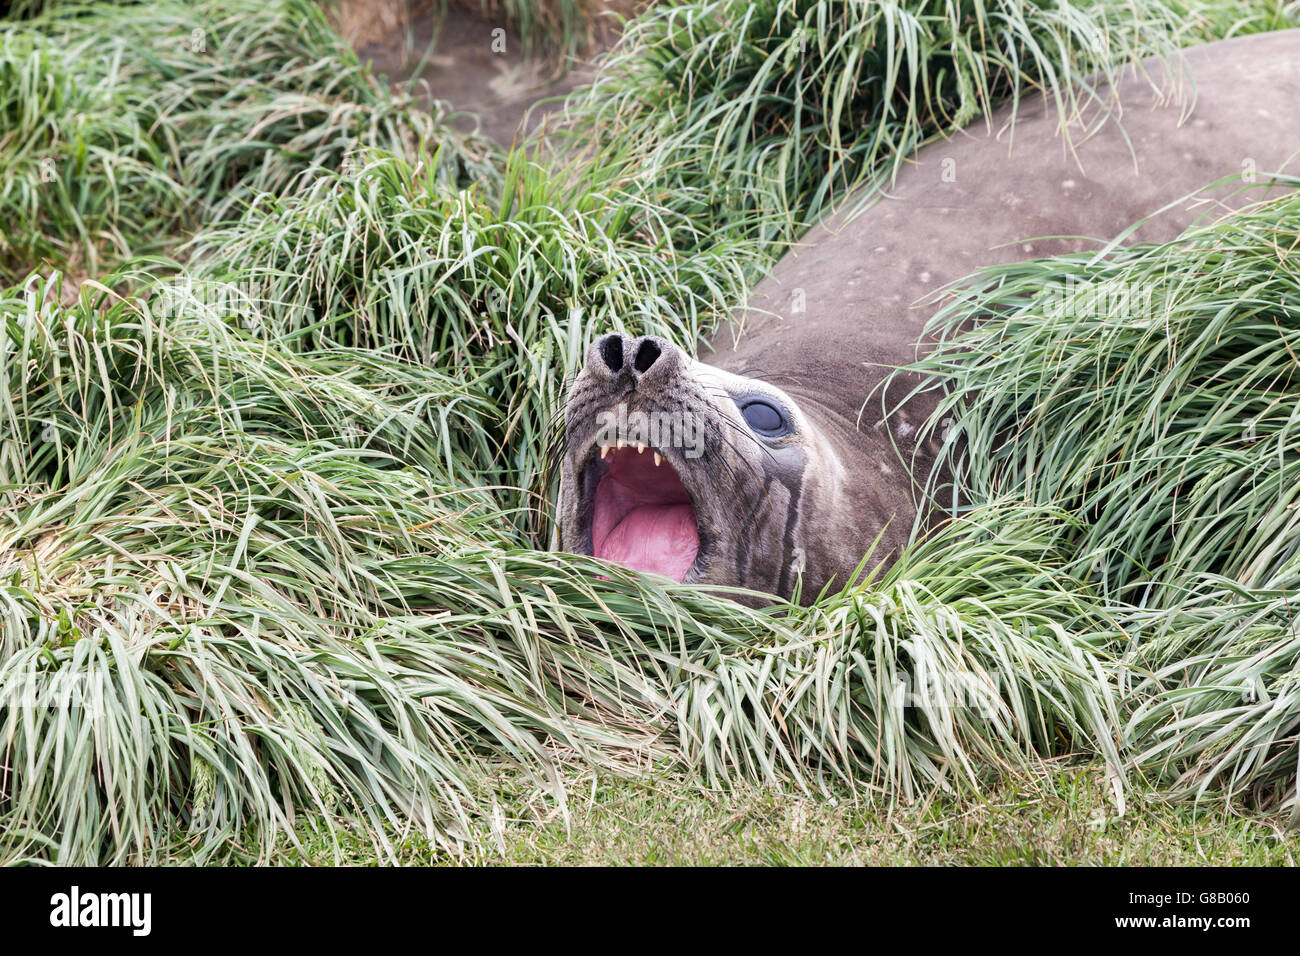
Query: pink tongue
643,518
659,539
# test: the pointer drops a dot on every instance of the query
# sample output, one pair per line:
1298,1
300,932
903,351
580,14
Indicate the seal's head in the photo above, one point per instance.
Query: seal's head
679,468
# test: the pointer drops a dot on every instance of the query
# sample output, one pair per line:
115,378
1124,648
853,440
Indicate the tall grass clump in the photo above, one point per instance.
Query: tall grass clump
389,256
249,589
972,656
554,28
1152,391
265,519
246,588
1214,692
757,117
126,126
1152,394
1220,19
82,175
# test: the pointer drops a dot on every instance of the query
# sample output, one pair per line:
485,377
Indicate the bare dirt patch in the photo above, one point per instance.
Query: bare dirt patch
472,59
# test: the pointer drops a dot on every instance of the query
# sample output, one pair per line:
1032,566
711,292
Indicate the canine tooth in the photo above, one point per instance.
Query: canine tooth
604,450
659,459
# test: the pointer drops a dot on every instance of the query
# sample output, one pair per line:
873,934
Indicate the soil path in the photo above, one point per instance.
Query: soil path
477,64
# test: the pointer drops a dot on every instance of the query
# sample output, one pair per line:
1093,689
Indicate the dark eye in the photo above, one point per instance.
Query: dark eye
764,418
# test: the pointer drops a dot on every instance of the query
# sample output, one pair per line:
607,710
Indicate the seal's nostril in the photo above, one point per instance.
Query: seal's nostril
611,350
646,355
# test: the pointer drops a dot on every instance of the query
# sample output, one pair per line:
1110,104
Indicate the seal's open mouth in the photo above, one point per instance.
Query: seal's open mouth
642,516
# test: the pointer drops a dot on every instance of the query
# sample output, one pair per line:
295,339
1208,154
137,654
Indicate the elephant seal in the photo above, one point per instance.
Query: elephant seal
784,454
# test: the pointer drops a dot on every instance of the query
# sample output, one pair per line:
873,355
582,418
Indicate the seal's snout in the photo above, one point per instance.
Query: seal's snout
648,358
632,442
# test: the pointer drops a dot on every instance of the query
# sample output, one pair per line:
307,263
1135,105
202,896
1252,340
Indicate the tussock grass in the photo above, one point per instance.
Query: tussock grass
549,27
260,594
80,173
1219,19
1151,391
1215,698
1152,394
266,511
758,117
126,126
393,256
968,657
